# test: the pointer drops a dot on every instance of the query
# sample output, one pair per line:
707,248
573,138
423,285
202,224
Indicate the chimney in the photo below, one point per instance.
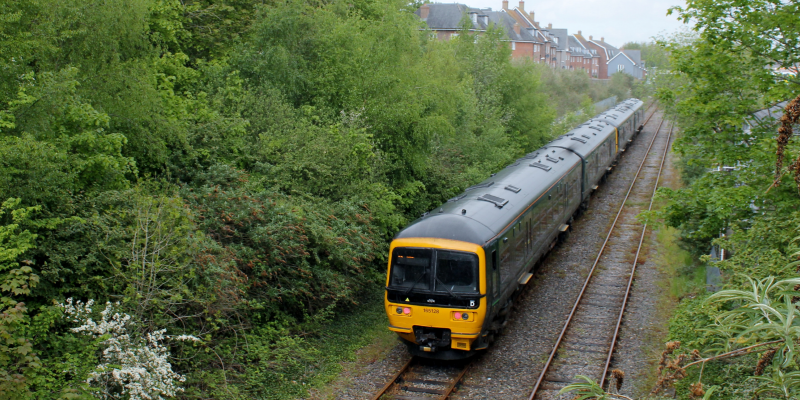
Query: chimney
505,5
424,11
590,37
579,33
602,39
549,26
516,28
522,5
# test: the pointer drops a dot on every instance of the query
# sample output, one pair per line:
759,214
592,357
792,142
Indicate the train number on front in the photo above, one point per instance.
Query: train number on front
431,310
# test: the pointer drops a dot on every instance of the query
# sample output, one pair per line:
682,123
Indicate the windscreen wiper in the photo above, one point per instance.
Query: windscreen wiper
448,290
415,284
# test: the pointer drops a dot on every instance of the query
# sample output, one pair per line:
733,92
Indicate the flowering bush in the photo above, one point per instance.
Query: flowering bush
133,366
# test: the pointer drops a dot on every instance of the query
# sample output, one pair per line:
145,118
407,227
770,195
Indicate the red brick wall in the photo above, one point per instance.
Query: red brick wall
522,50
602,71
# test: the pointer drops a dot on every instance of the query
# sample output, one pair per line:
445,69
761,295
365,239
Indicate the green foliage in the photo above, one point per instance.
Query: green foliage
720,74
16,351
234,170
780,385
766,313
654,54
23,361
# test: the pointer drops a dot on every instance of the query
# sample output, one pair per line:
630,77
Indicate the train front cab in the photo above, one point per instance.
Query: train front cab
438,313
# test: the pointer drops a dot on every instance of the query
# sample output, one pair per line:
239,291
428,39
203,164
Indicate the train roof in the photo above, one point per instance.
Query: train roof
621,111
585,138
484,211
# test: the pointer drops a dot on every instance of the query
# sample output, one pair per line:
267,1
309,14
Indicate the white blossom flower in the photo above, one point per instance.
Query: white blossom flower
131,365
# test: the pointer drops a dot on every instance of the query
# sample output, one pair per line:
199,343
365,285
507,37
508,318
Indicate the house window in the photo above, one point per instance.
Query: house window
513,45
620,68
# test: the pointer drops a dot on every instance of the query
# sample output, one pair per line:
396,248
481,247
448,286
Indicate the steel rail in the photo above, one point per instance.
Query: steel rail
453,385
394,379
635,261
444,396
594,266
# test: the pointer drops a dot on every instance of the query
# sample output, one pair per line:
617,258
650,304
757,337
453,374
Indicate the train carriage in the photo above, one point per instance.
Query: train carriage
454,272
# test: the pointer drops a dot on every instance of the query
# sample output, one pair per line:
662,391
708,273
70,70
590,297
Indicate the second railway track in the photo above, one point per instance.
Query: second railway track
585,345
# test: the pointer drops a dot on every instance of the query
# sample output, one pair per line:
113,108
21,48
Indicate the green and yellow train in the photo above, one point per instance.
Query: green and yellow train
454,273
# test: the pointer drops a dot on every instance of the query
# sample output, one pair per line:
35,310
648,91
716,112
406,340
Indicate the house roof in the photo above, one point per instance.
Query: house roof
635,55
562,36
610,50
448,16
582,40
505,21
522,17
574,42
625,56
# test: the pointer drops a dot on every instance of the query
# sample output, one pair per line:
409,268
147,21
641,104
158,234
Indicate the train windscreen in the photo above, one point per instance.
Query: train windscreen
415,269
456,272
411,269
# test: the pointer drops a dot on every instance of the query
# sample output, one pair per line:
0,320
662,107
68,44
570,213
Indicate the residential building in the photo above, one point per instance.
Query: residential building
629,62
545,46
606,52
561,37
526,37
591,59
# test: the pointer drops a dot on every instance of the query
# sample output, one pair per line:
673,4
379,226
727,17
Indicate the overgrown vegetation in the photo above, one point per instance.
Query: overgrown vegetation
229,171
739,342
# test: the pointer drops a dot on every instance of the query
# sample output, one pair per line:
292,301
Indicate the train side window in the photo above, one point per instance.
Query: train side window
494,260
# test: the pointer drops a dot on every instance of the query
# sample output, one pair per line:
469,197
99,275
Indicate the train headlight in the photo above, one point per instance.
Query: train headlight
399,310
462,316
407,311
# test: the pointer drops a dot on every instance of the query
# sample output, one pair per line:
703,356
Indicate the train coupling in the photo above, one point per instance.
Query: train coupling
431,339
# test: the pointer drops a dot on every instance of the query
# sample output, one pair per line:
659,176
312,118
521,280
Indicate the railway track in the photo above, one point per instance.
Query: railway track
586,343
421,379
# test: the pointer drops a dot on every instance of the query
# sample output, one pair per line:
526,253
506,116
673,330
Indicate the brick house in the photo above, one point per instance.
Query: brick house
591,59
544,45
606,52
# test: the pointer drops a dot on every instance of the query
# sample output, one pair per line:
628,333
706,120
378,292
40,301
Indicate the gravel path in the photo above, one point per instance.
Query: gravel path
510,367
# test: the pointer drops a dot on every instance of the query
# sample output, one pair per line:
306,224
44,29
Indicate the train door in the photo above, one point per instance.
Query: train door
529,245
493,278
505,249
